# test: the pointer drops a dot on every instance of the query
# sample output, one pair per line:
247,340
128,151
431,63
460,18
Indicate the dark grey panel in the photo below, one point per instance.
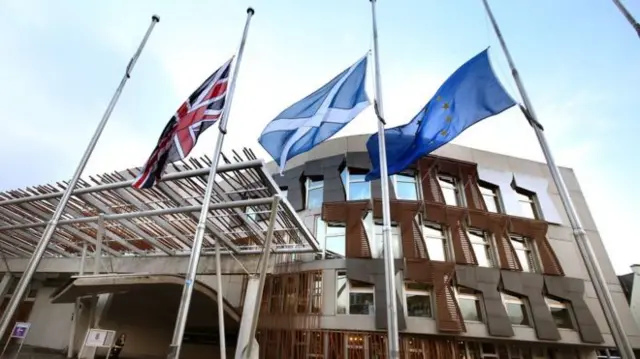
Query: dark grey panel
529,285
372,271
572,290
358,160
291,180
486,281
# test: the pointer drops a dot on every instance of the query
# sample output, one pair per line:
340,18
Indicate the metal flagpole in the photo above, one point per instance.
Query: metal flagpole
185,300
53,222
579,233
393,341
628,16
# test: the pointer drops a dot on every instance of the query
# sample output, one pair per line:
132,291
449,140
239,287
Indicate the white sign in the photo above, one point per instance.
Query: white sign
96,338
20,330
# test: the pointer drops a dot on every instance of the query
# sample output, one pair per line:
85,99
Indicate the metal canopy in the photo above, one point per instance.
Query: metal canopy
157,221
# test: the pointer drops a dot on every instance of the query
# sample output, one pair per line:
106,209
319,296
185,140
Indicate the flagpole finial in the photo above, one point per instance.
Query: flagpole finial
250,11
155,18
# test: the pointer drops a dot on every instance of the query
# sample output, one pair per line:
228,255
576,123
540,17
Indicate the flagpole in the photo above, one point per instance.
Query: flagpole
187,290
53,222
393,341
579,233
628,16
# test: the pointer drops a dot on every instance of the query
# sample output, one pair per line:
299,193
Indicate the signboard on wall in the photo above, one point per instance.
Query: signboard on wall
20,330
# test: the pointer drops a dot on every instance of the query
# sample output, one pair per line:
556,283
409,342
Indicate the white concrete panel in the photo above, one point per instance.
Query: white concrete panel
231,286
456,152
561,233
569,257
602,257
503,180
329,148
490,160
539,186
570,180
50,323
357,143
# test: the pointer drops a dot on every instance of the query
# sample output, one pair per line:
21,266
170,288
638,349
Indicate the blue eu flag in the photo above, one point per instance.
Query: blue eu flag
469,95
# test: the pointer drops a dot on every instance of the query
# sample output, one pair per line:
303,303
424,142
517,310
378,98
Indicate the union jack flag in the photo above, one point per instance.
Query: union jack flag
201,110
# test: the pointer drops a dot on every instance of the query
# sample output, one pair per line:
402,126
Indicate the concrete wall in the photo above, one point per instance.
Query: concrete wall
50,323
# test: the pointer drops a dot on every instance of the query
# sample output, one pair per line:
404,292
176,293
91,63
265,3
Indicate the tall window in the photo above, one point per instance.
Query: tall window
331,236
449,190
481,247
353,297
560,314
491,197
522,246
378,239
355,185
314,193
284,193
516,310
406,186
469,304
527,202
418,300
435,240
252,213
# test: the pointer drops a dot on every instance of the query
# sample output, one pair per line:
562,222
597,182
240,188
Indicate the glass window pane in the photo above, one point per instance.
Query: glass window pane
359,190
527,210
406,190
361,303
485,190
517,313
518,243
561,317
356,177
433,231
314,199
284,193
523,257
342,293
418,305
470,309
435,248
492,203
450,196
316,184
336,244
482,255
335,230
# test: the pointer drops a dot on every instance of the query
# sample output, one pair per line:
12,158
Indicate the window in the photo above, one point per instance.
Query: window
314,193
284,193
353,297
378,248
331,236
527,204
522,246
516,310
608,354
406,186
490,196
469,304
435,240
355,185
481,247
252,213
560,314
418,300
449,190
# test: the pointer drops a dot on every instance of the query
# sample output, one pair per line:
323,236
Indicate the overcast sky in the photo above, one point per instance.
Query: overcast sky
62,60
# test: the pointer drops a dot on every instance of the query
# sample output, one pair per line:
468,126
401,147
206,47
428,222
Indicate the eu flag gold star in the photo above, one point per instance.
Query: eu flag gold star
445,106
439,98
443,132
448,119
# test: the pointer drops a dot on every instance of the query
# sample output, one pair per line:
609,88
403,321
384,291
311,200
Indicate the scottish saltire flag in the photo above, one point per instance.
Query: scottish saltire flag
201,110
469,95
318,116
